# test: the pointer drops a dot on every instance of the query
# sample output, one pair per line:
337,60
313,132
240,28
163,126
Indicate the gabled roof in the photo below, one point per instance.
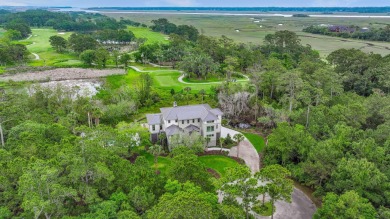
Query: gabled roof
154,119
192,128
173,130
202,111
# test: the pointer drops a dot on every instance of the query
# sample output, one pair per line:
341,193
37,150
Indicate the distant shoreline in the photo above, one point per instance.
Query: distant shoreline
242,14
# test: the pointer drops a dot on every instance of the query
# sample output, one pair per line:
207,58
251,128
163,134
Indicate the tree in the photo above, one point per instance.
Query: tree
291,83
42,191
189,202
187,90
221,142
101,57
352,174
347,205
187,167
141,199
202,93
58,43
125,59
81,42
238,183
277,184
256,73
199,64
238,138
88,56
156,150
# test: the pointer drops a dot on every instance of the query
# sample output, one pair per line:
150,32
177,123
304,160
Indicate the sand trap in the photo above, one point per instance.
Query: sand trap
61,33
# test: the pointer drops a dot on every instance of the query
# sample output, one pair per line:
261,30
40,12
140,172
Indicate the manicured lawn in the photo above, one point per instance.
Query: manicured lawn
256,140
152,37
218,163
39,43
162,164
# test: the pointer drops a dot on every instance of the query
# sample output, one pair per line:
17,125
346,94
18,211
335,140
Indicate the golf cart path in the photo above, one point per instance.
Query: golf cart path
180,79
301,207
36,56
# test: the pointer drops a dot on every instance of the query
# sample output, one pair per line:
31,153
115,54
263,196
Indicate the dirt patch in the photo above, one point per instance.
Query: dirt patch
132,158
214,173
61,74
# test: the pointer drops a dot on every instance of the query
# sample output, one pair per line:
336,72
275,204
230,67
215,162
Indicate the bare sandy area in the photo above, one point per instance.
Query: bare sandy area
61,74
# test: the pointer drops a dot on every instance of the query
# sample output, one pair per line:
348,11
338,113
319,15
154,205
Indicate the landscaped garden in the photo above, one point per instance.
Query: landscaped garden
256,140
218,163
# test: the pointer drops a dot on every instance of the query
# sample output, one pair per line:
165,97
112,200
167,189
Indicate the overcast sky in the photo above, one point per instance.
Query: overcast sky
196,3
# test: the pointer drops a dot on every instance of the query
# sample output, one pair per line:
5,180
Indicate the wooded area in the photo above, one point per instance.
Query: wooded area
65,155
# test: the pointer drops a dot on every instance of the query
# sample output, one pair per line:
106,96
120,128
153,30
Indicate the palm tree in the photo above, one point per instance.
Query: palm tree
156,150
187,90
238,138
161,137
207,139
221,142
202,92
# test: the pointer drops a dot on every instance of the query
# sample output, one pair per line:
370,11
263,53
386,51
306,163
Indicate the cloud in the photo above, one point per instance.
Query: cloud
13,3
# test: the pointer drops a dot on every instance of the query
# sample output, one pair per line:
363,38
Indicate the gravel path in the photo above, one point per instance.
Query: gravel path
61,74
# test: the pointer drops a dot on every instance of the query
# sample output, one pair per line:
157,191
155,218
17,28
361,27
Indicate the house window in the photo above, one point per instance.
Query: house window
210,128
212,121
216,126
182,122
160,127
212,135
176,120
193,121
169,121
188,121
153,127
198,120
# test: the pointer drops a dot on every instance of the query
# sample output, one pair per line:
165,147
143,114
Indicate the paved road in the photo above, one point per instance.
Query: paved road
301,207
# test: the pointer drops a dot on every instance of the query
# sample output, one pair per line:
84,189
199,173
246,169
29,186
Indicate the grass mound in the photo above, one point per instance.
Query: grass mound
256,140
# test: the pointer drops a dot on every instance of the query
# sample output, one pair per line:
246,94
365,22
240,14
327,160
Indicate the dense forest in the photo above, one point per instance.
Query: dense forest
64,155
374,34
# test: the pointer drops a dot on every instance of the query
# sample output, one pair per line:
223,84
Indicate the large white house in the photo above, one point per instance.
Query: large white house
177,120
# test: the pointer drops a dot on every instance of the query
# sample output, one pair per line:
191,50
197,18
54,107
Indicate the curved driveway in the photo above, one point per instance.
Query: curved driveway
301,207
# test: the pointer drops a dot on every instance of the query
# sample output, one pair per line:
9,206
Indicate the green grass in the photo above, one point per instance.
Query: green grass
152,37
212,25
265,210
218,163
256,140
162,164
39,44
2,31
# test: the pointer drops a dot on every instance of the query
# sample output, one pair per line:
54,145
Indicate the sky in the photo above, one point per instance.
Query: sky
197,3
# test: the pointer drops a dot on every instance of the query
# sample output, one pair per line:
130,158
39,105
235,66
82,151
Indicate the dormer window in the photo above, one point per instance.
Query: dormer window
169,121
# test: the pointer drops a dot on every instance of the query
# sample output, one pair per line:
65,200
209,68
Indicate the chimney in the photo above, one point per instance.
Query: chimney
175,104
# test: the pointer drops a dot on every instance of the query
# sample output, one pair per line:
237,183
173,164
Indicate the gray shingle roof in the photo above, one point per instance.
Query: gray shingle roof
192,128
202,111
173,130
154,119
